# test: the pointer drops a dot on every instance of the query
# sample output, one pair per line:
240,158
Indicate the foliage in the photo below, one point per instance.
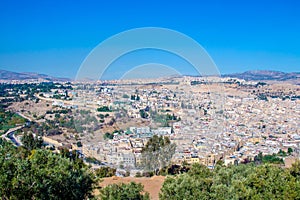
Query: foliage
92,160
171,117
30,142
29,89
79,144
9,120
103,172
123,191
101,116
233,182
156,143
272,159
269,158
282,153
148,174
138,175
295,169
53,131
108,135
174,169
41,174
84,120
260,84
103,109
125,96
157,153
262,97
163,119
290,150
135,97
144,114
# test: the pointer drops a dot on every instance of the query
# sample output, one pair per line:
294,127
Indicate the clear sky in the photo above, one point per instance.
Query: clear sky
54,37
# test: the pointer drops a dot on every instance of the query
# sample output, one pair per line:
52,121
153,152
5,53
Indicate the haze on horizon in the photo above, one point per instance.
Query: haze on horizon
54,37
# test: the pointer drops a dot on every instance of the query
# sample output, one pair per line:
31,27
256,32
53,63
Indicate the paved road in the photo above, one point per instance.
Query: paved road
10,134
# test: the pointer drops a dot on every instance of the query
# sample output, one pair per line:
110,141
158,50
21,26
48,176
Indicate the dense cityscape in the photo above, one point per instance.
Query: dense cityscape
209,121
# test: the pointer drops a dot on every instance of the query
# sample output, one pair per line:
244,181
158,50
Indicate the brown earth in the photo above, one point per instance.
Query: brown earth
151,185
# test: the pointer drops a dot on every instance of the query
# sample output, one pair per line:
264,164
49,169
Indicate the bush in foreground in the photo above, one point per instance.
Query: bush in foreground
124,191
41,174
234,182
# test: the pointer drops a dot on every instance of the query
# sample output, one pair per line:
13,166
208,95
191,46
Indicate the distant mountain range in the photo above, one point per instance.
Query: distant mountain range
265,75
248,75
8,75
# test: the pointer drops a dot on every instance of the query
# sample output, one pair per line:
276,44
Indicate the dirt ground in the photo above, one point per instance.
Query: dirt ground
151,185
31,108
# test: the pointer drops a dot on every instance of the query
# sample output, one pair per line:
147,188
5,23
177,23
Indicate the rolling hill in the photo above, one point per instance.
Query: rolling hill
265,75
9,75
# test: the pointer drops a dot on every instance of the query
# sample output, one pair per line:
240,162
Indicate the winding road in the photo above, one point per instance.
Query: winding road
10,134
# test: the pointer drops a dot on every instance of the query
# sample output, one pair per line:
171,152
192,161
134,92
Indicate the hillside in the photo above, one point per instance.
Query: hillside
265,75
9,75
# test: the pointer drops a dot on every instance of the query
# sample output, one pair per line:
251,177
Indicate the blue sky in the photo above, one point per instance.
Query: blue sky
54,37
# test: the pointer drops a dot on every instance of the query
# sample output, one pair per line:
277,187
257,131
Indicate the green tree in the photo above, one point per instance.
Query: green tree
192,185
103,109
124,191
41,174
30,142
295,169
272,182
143,114
157,153
233,182
103,172
79,144
125,96
290,150
282,153
108,135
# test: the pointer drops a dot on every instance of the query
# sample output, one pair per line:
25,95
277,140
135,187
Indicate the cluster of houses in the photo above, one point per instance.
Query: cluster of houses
214,124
